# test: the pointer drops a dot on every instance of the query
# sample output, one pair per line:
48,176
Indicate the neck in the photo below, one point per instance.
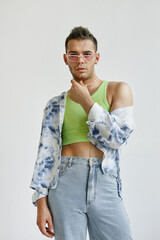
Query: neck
89,81
94,84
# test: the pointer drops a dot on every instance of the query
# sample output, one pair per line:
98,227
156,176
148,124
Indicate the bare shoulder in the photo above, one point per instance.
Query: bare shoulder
119,94
120,86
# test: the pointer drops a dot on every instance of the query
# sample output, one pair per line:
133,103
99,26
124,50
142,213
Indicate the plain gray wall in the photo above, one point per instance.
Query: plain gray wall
32,36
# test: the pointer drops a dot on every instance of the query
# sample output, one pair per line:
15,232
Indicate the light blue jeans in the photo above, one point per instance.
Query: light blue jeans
86,197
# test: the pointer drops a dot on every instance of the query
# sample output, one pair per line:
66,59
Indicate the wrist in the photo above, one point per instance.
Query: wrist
87,103
42,202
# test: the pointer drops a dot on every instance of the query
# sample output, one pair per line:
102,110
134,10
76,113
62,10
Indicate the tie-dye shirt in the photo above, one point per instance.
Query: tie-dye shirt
108,131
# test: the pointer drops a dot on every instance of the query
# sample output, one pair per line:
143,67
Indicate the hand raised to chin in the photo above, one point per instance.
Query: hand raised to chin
78,91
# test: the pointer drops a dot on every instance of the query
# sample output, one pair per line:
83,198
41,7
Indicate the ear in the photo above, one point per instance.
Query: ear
65,59
97,58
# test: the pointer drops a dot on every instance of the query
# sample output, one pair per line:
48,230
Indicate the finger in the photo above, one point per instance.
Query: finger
81,82
50,233
50,225
43,230
74,82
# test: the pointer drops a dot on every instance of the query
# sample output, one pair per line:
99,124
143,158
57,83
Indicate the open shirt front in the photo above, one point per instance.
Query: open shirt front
108,131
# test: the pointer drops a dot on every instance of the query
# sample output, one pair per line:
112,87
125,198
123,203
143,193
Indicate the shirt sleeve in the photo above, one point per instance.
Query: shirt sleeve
37,195
43,161
111,129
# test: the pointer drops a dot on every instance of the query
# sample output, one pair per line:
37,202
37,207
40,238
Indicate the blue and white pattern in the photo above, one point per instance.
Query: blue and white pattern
108,131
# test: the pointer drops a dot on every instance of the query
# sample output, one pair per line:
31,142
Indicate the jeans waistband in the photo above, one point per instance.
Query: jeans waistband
81,160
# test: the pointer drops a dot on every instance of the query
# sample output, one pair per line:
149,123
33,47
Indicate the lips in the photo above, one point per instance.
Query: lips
80,69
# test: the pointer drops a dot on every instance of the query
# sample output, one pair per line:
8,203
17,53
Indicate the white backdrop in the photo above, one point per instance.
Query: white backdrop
32,36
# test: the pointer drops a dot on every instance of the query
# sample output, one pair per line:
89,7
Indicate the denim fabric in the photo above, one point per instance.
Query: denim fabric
86,197
108,131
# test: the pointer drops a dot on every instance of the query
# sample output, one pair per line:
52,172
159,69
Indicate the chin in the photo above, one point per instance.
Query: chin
81,76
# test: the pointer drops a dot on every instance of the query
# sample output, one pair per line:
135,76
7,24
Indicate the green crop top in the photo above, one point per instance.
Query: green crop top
74,128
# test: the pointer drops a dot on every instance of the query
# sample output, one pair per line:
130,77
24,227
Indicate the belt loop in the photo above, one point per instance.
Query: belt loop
70,162
90,162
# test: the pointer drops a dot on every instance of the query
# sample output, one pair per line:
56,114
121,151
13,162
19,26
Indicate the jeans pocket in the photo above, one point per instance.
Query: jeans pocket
113,172
63,169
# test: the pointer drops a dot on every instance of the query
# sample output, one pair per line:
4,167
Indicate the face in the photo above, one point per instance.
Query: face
82,69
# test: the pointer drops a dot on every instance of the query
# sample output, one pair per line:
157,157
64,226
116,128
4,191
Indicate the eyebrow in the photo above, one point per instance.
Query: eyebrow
88,51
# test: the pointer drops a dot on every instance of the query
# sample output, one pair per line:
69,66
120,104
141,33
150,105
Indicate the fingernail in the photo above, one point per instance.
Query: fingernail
52,230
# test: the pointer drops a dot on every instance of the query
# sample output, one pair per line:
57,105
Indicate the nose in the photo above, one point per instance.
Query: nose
80,60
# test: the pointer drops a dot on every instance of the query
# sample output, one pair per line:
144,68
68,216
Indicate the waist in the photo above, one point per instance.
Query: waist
82,149
80,160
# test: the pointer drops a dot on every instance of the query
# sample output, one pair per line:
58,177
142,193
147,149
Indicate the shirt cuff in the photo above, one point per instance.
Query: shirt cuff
123,115
94,112
37,196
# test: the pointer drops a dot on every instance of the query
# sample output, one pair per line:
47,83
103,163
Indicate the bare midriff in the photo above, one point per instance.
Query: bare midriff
82,149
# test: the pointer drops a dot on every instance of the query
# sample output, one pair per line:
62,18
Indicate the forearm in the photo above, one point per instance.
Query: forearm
87,103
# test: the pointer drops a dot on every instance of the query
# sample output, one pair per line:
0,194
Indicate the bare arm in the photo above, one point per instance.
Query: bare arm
122,96
111,129
44,217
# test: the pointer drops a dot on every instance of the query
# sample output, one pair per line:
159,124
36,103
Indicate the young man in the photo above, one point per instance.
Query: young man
77,176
